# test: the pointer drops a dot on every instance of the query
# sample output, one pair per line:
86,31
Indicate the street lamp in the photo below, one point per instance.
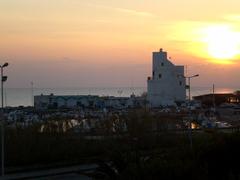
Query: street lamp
189,85
3,79
189,100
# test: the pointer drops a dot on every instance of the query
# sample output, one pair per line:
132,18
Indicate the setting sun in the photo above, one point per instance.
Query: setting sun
222,43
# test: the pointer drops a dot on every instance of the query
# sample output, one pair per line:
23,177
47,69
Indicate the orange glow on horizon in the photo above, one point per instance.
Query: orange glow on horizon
223,43
120,34
215,43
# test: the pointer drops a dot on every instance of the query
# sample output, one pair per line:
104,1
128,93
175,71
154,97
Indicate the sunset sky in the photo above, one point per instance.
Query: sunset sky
109,43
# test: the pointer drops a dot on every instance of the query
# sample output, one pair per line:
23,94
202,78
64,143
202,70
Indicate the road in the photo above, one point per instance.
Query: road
71,172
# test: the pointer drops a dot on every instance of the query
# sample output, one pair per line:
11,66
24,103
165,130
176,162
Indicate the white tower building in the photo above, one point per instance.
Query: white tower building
167,84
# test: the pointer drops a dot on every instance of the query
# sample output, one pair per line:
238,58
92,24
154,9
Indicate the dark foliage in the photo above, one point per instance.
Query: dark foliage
138,154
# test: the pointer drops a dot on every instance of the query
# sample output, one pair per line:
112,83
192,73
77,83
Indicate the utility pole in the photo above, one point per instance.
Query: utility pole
5,98
214,105
189,90
32,94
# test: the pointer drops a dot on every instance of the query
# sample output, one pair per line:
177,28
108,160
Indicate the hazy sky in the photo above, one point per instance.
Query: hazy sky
99,43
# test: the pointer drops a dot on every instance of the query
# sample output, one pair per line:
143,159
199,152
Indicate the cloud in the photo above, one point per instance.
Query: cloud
125,10
135,12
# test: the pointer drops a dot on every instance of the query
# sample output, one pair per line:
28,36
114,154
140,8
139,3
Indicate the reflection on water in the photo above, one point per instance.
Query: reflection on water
23,96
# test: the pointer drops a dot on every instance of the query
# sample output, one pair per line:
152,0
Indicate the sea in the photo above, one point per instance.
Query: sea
14,97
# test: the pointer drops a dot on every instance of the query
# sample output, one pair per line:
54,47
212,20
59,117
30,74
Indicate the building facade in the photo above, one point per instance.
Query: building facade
167,86
87,101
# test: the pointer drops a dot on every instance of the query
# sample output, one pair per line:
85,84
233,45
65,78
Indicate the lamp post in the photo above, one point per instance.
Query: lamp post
189,85
3,79
189,100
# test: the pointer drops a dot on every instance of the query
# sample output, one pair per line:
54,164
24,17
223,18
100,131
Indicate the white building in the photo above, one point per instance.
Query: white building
167,84
87,101
52,101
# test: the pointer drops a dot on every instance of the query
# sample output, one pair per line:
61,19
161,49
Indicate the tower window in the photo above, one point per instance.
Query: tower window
162,64
180,83
160,76
153,73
